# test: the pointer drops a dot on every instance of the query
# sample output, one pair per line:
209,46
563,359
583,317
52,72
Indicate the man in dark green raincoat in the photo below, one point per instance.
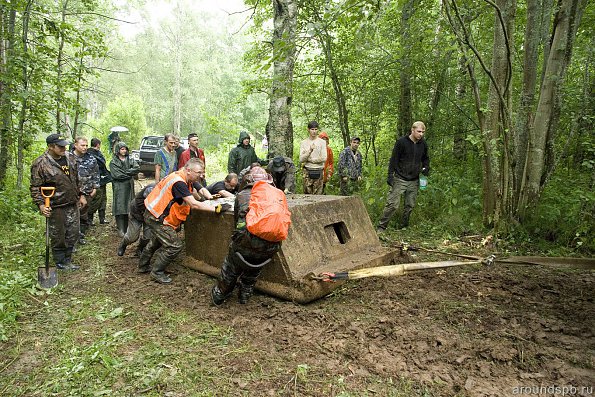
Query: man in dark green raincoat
242,155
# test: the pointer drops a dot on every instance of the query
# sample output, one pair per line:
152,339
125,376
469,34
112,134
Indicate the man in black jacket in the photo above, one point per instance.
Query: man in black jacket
99,202
409,158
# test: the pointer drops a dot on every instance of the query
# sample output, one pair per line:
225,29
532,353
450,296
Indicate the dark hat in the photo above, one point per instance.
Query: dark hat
278,164
355,138
192,135
56,139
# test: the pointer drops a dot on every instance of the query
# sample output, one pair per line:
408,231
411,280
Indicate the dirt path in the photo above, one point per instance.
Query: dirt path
464,332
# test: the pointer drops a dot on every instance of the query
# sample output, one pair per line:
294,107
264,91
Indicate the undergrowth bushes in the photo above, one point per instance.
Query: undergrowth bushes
22,245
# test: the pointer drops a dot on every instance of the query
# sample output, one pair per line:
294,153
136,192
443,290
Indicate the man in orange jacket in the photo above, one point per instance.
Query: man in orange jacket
329,166
168,205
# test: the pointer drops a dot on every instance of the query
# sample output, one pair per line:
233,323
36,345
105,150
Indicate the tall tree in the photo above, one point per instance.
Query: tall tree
538,165
280,126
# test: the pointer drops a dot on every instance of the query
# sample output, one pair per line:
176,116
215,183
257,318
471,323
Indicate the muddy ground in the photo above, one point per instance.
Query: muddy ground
473,331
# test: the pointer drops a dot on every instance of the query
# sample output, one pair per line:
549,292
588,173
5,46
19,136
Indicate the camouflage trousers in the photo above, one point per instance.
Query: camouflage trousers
254,251
312,186
165,245
64,226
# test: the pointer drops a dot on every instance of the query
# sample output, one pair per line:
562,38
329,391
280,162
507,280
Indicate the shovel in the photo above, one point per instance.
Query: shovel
47,276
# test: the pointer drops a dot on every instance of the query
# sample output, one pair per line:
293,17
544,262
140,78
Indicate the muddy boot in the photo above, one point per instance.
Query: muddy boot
158,272
140,247
217,296
160,277
122,248
245,293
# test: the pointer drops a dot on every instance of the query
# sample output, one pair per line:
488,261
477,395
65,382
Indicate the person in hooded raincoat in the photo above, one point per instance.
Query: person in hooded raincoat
242,155
123,169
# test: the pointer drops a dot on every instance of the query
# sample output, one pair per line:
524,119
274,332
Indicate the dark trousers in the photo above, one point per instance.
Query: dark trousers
85,221
98,204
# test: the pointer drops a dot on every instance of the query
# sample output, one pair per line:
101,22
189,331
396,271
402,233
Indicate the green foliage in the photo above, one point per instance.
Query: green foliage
21,249
127,111
563,221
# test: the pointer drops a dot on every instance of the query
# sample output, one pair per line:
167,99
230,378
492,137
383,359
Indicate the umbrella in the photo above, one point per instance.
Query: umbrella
119,129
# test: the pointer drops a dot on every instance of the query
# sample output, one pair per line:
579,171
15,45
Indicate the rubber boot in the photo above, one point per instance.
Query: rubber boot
144,263
102,220
141,246
158,273
405,220
68,260
245,293
217,297
122,224
59,255
122,248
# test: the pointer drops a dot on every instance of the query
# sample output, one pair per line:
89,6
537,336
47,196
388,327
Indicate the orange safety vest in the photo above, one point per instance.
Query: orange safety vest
162,197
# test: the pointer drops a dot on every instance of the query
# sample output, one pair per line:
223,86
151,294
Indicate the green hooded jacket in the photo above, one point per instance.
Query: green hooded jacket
241,156
122,172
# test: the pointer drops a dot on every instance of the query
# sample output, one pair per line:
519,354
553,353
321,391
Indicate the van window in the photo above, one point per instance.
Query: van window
153,141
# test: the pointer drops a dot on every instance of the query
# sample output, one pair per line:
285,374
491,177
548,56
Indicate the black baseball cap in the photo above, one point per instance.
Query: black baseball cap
56,139
192,135
355,138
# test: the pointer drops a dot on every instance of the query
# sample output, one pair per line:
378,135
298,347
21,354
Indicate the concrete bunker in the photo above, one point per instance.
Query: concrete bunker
328,233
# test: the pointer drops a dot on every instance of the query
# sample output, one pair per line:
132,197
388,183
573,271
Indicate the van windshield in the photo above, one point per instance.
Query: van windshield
153,141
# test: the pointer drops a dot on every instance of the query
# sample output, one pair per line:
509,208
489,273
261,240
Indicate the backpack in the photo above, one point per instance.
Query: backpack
268,216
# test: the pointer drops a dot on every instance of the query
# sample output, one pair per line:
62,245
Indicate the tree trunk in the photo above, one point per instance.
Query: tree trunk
459,143
279,127
525,116
547,114
496,160
77,107
177,88
59,65
7,21
326,42
23,141
405,113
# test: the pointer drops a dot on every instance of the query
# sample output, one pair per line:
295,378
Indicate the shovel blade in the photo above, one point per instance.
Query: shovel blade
47,277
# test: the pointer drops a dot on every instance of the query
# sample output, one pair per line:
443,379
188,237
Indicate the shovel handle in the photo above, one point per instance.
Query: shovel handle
47,192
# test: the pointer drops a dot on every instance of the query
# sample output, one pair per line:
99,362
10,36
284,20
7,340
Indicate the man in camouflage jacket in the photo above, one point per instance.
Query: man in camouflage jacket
88,170
350,167
58,168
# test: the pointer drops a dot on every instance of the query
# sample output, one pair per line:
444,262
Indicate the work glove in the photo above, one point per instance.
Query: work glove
390,180
425,171
222,208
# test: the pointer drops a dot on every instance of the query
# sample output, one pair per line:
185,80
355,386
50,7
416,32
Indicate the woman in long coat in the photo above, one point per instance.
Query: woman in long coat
123,169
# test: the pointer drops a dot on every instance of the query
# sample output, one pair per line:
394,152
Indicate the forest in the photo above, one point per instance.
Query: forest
506,89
